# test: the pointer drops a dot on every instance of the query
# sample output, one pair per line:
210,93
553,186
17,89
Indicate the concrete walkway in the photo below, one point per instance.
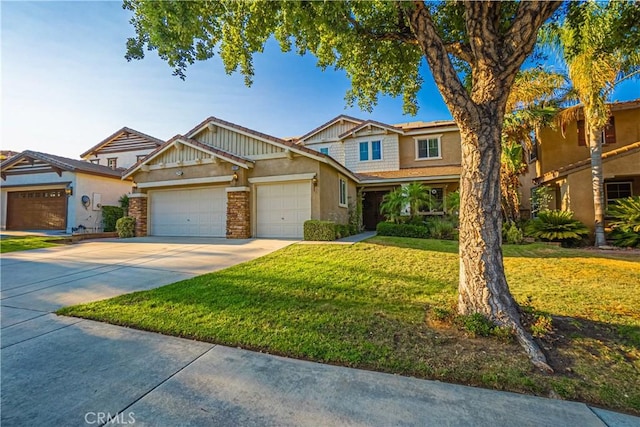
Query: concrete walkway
73,372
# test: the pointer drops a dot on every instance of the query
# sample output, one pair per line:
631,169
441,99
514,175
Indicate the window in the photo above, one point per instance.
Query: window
324,151
112,162
140,157
342,200
533,154
435,202
95,161
364,151
376,150
608,135
428,148
617,190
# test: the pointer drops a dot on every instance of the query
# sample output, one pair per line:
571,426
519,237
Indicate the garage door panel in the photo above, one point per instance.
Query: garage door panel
37,210
188,212
282,209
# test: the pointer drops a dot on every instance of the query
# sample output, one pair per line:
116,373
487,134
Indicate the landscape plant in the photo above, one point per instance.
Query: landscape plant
625,226
110,215
557,226
126,227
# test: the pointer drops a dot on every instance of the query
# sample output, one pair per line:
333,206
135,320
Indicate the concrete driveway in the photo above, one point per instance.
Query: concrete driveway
59,368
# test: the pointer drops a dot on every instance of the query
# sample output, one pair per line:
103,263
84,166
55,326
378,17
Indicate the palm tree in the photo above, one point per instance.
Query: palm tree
532,104
416,196
598,57
392,205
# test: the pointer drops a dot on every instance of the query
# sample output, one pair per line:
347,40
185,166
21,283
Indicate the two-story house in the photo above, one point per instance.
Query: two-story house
386,156
562,162
43,191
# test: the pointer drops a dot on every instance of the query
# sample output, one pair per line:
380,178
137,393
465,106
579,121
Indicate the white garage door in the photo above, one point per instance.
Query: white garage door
188,212
282,209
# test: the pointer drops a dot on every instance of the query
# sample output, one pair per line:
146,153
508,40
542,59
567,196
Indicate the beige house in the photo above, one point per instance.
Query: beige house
562,162
224,180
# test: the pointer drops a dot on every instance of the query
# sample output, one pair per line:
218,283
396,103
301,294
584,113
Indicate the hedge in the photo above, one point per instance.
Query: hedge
126,227
111,214
402,230
319,230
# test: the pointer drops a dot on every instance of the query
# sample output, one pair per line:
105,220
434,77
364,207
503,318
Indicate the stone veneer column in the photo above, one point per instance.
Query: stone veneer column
138,210
238,213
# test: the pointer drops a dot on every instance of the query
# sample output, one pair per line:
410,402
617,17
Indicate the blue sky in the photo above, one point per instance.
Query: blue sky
66,85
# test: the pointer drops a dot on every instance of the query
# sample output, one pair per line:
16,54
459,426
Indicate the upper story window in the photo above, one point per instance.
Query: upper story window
342,198
607,136
112,162
373,147
95,161
533,153
428,148
324,151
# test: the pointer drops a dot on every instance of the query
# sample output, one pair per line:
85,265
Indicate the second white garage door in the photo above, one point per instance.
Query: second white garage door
282,209
188,212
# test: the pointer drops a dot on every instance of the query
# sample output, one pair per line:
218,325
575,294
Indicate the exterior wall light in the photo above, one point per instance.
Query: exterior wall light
314,181
68,191
179,173
235,176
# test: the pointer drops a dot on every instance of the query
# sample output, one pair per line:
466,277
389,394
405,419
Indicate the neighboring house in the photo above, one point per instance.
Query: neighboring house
385,157
221,179
46,192
122,149
563,163
7,154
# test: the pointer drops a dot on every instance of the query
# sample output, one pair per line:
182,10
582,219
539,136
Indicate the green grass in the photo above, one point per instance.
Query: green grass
368,306
23,243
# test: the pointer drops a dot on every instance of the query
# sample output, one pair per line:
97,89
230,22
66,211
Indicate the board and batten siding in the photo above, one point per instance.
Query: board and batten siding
184,154
332,132
236,143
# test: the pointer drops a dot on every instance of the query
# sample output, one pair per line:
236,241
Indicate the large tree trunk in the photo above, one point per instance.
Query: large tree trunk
483,286
597,183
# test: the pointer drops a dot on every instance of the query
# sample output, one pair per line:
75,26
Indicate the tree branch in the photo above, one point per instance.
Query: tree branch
435,51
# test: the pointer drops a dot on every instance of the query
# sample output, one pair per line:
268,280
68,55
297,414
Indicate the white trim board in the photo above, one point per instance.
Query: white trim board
280,178
187,181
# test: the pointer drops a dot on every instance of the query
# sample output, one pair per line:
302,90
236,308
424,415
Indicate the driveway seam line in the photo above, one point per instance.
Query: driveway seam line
46,333
22,308
163,381
22,321
596,415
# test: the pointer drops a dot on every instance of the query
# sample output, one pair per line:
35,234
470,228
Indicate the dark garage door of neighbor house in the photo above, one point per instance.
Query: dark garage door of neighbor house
37,210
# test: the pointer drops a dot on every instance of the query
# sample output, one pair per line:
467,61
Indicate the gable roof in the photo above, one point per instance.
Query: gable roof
180,139
422,124
60,164
144,140
287,145
586,163
370,123
328,124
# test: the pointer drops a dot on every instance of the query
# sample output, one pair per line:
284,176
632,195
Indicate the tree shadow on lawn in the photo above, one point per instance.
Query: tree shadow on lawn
529,250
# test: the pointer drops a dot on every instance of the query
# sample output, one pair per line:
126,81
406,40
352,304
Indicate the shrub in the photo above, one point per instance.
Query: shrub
626,223
111,214
343,230
557,226
441,228
126,227
402,230
514,235
319,230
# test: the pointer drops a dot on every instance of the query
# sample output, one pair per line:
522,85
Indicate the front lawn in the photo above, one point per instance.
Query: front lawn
23,243
368,306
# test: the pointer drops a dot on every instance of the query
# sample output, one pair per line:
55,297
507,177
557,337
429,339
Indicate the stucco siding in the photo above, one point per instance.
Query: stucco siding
556,151
170,173
450,147
109,190
125,159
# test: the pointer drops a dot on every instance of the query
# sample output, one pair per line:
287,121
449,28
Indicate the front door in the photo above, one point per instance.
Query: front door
371,215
